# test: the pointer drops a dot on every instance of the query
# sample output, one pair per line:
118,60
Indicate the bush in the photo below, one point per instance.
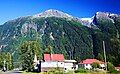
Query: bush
95,65
115,72
81,70
110,67
70,72
55,71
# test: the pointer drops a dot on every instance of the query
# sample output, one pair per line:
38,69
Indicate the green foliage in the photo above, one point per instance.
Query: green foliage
27,51
81,70
69,72
115,72
95,65
55,71
109,32
100,57
69,36
110,67
107,27
115,43
49,50
9,60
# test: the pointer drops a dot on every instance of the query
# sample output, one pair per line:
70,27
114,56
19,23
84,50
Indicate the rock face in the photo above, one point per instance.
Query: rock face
80,37
88,22
53,13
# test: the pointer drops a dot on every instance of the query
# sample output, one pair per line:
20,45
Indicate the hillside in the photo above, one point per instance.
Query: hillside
81,38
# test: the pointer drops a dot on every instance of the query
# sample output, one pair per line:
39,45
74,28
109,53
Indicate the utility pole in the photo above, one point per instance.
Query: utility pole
70,54
105,55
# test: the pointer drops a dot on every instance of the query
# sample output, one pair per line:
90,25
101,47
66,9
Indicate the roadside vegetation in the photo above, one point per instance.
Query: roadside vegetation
6,60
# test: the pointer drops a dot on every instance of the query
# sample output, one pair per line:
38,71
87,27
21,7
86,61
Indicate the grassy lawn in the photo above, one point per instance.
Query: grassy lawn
93,73
28,73
71,73
31,73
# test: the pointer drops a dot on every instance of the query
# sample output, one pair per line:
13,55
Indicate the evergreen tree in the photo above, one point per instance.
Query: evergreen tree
49,50
27,51
100,57
9,60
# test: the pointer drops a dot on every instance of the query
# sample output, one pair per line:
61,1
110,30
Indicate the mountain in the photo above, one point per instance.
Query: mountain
88,22
53,13
80,37
109,31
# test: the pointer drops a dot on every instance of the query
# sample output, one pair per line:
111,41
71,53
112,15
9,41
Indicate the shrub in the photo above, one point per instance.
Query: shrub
115,72
70,72
95,65
55,71
81,70
110,67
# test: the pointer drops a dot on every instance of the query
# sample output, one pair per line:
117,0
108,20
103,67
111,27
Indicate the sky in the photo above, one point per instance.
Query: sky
11,9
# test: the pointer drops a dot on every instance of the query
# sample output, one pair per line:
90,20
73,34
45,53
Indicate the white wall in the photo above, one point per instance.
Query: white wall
52,64
102,65
68,66
88,66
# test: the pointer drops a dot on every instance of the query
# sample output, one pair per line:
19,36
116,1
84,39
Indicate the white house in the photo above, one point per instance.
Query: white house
70,65
117,68
87,64
52,61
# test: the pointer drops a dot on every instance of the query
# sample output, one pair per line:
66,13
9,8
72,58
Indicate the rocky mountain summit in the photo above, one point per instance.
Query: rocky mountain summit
53,13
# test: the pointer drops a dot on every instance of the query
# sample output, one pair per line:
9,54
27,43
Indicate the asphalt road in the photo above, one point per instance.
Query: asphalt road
12,72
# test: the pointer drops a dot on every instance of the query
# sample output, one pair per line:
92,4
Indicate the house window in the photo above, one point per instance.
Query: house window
73,68
86,64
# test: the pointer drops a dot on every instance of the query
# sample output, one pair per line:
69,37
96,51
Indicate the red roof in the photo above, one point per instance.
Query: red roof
90,61
117,68
53,57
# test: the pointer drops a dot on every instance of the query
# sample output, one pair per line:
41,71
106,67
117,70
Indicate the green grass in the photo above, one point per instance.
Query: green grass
69,73
93,73
30,73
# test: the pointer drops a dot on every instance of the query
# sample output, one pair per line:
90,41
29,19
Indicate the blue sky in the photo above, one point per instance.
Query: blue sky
11,9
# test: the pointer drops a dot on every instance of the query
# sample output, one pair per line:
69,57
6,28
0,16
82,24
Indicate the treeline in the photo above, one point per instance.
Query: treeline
27,52
6,60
